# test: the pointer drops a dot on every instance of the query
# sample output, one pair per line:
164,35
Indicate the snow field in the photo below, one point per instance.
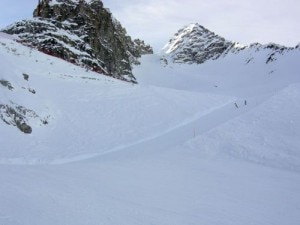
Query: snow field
88,113
172,150
268,135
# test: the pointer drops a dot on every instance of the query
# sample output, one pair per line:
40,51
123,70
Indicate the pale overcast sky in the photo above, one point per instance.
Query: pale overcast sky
156,21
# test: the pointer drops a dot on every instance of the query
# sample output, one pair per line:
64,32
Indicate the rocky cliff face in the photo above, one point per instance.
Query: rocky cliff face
82,32
195,44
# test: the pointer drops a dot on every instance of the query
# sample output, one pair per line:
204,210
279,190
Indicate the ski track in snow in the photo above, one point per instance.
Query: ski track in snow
186,129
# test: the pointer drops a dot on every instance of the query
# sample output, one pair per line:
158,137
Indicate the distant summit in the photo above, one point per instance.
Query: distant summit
194,44
82,32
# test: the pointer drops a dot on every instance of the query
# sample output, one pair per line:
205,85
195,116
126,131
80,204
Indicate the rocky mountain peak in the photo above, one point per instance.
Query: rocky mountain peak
56,9
82,32
195,44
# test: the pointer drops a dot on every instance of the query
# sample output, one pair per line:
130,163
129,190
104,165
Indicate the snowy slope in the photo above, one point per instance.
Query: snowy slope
266,93
268,135
230,75
182,147
86,113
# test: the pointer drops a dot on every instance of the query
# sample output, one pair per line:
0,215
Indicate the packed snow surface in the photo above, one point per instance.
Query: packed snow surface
216,143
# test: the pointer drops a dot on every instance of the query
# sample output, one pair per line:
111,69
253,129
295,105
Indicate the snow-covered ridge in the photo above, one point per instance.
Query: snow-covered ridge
196,44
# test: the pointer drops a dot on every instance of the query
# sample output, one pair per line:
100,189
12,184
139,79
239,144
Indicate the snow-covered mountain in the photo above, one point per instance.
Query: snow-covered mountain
209,143
196,44
84,33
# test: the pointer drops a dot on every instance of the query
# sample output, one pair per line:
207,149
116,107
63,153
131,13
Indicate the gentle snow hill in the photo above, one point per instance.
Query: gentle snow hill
74,112
268,135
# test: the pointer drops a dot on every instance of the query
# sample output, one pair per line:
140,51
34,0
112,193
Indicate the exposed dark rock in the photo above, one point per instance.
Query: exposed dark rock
18,116
275,51
15,116
25,76
142,47
7,84
31,90
25,128
81,32
44,121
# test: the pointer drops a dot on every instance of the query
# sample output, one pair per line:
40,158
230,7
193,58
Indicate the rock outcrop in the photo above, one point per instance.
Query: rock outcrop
16,116
82,32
